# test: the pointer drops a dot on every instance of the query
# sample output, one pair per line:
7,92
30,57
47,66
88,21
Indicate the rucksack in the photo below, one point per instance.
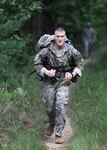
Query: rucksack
46,40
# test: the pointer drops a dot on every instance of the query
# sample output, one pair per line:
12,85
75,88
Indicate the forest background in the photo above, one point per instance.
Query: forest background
21,24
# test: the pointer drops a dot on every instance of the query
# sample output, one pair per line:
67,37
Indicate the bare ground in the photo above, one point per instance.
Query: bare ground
67,137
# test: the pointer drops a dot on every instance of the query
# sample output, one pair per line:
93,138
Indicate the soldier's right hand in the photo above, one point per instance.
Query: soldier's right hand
50,73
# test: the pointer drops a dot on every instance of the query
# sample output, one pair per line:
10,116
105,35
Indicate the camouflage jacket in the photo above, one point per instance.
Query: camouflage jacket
70,61
89,34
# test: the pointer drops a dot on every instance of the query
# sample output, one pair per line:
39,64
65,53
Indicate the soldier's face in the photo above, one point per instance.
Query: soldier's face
60,37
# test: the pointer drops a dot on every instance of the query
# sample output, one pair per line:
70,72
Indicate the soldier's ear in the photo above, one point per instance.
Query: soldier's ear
66,38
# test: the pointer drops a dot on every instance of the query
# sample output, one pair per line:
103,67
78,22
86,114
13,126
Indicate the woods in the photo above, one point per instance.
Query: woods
21,25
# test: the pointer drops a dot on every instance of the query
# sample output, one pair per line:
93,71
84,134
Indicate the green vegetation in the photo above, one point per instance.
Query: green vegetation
22,113
89,106
21,116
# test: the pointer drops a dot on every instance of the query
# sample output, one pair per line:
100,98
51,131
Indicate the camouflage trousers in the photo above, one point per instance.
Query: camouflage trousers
88,47
54,100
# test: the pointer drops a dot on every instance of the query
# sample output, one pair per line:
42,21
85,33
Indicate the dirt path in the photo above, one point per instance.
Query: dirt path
67,137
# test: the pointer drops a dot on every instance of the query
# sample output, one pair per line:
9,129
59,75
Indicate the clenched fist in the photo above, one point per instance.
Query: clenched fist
50,73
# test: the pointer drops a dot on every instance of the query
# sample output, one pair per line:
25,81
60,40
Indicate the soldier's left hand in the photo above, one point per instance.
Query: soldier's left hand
68,76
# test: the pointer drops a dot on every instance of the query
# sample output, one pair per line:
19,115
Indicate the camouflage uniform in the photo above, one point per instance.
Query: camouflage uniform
89,38
56,89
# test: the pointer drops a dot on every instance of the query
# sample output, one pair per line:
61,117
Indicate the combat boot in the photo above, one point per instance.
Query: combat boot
50,129
58,140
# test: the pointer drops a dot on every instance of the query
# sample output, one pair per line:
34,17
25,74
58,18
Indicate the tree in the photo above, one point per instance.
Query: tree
13,15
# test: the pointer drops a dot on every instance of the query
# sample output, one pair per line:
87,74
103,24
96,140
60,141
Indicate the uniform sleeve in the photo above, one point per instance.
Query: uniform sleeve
38,62
79,62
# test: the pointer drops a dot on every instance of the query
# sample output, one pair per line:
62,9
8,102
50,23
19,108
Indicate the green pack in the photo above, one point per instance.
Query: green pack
46,40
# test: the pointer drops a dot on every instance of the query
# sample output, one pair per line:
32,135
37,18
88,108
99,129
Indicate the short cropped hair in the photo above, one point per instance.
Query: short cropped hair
60,29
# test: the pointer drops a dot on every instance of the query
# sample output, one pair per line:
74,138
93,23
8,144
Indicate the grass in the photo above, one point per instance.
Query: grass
25,141
22,113
22,116
89,106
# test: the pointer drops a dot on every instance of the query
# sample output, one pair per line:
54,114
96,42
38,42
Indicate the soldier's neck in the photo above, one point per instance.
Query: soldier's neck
60,47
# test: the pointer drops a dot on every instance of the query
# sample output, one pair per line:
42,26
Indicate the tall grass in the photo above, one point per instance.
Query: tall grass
22,114
25,141
90,106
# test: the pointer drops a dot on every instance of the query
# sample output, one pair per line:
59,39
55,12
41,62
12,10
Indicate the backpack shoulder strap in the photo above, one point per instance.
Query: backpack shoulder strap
72,51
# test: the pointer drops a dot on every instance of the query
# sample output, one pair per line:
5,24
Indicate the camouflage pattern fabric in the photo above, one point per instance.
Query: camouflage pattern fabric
54,100
44,41
56,93
89,38
47,58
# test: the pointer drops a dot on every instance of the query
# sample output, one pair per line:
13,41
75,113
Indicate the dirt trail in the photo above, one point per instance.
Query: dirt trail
67,136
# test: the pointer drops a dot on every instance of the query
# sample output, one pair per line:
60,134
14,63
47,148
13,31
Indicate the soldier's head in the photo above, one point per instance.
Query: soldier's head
60,36
88,25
